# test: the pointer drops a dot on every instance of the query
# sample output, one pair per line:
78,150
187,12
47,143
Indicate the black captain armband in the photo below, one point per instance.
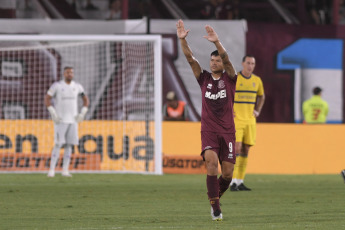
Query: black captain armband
82,94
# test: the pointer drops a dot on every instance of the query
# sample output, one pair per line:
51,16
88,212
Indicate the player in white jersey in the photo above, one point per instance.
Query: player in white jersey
66,117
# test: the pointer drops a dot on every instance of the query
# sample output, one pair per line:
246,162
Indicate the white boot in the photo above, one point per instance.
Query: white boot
66,174
51,173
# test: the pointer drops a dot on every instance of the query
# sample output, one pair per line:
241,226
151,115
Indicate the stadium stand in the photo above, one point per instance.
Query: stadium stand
262,10
270,11
261,16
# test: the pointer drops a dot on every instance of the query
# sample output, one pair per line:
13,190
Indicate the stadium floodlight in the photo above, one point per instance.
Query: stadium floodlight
122,76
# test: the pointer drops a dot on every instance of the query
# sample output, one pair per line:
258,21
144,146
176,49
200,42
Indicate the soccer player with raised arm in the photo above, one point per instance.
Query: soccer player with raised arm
217,123
66,118
249,99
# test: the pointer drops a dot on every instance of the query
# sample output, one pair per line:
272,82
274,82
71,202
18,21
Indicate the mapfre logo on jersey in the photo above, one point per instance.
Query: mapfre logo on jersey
220,94
221,84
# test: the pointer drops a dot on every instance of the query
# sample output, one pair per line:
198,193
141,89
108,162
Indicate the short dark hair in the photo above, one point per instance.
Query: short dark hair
67,67
248,55
215,53
317,90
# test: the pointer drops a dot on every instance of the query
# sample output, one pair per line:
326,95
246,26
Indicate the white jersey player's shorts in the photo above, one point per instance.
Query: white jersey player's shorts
66,134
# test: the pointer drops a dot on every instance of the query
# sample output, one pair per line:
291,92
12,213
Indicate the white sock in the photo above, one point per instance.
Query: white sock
239,181
233,181
54,157
66,158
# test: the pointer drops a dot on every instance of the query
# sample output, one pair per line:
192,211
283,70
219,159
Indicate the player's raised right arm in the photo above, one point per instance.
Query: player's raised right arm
182,34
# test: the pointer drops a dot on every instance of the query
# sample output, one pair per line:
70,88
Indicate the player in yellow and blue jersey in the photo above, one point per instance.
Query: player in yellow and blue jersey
249,100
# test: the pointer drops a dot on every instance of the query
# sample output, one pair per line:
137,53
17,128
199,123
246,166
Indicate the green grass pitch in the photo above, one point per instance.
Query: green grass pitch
128,201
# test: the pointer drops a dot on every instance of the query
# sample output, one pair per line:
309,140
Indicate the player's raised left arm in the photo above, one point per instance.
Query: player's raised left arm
213,37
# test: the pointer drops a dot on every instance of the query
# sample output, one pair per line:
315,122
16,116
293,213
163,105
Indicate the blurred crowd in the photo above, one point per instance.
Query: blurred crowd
319,11
307,11
220,9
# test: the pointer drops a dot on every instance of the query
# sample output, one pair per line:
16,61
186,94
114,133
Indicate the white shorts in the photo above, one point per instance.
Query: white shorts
66,134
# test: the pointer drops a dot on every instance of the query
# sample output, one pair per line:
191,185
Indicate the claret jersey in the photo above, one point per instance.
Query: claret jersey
217,102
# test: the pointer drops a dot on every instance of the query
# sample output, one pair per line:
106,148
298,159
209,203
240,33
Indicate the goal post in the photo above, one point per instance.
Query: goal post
121,75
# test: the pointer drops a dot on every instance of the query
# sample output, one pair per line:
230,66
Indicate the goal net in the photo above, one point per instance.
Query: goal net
121,76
